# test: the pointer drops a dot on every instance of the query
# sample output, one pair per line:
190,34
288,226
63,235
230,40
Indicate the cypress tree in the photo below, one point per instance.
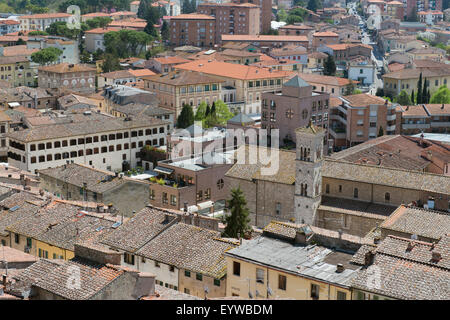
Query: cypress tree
238,223
424,91
412,97
208,110
419,89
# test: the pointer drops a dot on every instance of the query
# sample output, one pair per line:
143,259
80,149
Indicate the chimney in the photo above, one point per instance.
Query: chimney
340,268
368,258
145,285
436,256
411,245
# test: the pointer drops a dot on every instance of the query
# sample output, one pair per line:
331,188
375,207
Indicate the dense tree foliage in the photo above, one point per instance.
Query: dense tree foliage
329,67
126,43
46,56
404,99
238,222
442,95
186,117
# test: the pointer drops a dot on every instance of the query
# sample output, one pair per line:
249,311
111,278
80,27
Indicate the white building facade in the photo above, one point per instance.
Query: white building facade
105,144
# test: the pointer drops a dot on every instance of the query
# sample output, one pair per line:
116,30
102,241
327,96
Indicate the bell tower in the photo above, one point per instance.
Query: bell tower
308,176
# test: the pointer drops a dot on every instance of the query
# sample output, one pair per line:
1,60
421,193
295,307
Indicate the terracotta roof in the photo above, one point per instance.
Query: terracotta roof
191,248
316,78
422,222
400,178
140,229
438,109
66,68
301,27
130,23
53,276
13,59
414,111
94,126
102,30
183,78
232,70
141,72
407,273
9,22
325,34
170,60
192,16
270,38
46,16
410,73
249,171
363,99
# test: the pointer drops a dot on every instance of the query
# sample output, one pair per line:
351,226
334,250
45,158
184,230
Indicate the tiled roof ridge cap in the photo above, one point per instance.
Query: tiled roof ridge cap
384,168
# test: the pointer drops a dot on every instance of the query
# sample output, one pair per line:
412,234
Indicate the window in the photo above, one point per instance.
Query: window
128,258
340,188
199,276
387,196
157,265
16,238
173,200
165,199
259,275
187,291
152,194
278,208
327,188
220,184
281,282
314,291
341,295
236,268
171,268
355,193
360,295
187,273
29,242
217,282
200,195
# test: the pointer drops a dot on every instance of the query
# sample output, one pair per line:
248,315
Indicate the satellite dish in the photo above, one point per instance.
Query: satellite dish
414,237
269,291
206,289
250,295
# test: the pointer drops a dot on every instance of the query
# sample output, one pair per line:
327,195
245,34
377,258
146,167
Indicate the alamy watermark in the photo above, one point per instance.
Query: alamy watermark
221,147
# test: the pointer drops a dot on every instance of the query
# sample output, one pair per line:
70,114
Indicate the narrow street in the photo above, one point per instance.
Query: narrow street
376,55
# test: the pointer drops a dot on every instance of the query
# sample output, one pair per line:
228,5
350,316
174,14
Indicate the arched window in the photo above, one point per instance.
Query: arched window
387,196
327,188
355,193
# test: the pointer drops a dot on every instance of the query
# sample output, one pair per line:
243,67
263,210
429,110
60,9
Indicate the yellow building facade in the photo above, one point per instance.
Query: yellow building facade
258,278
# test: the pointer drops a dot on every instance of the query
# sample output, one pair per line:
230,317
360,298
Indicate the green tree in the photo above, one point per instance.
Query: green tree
208,110
110,63
238,222
404,99
126,43
98,22
144,6
186,117
151,30
46,56
201,111
424,91
329,67
442,95
413,101
165,31
419,89
313,5
380,132
282,15
20,42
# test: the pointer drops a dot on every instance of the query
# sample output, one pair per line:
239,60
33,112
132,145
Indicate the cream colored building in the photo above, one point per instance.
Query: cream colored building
277,265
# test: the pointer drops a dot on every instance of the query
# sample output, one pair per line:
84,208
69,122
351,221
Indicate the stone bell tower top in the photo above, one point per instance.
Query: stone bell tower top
309,142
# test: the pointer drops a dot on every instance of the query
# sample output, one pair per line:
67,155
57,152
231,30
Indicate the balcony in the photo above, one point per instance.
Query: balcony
391,117
440,124
339,118
338,132
390,128
415,126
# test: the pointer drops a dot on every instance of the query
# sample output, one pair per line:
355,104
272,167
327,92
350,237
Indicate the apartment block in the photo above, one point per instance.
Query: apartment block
293,108
175,89
232,18
42,21
265,12
79,78
362,117
193,29
104,142
433,118
16,71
